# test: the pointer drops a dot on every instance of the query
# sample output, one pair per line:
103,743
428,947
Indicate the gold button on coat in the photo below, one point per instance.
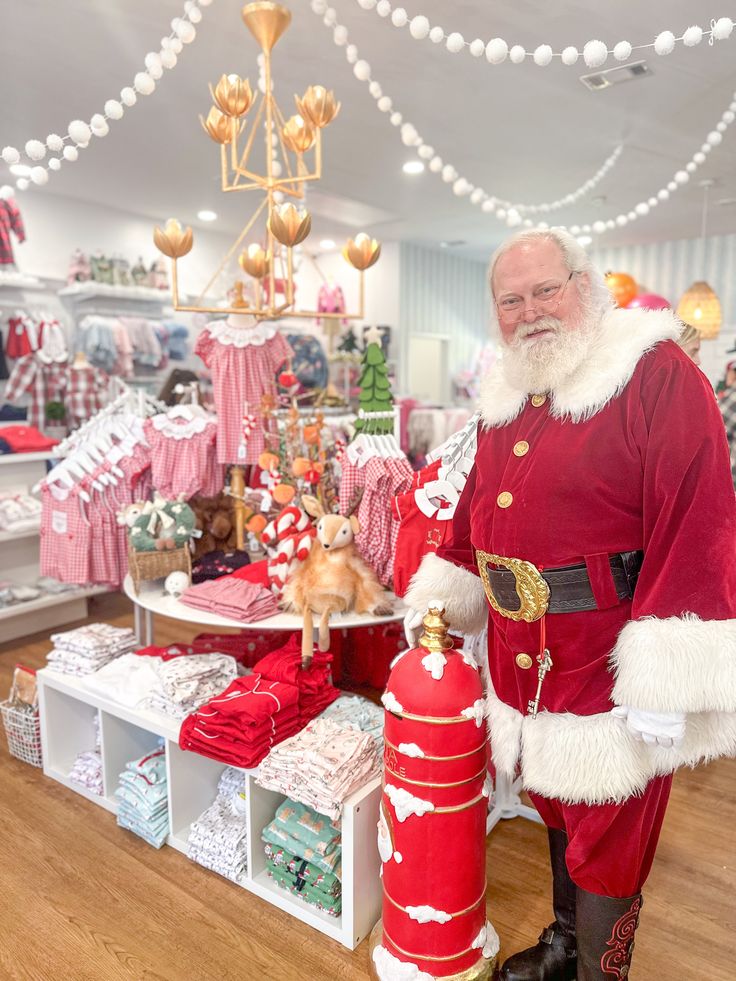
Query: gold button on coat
538,400
521,448
505,499
524,661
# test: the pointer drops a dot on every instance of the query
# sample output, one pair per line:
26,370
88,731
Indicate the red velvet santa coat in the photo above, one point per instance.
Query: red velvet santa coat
629,454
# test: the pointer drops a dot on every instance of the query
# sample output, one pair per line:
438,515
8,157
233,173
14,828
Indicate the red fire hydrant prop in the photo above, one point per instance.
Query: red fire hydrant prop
432,826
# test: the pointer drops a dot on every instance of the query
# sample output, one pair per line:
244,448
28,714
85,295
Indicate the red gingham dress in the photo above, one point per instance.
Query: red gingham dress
183,456
243,363
65,535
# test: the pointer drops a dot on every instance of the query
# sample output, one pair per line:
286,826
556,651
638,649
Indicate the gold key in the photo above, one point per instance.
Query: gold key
545,665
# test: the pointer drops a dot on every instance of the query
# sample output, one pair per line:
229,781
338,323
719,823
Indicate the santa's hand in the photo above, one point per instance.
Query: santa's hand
413,626
666,729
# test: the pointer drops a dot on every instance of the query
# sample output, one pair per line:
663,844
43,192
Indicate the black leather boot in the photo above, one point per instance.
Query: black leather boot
554,957
605,930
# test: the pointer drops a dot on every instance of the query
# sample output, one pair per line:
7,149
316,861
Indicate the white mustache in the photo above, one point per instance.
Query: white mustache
545,323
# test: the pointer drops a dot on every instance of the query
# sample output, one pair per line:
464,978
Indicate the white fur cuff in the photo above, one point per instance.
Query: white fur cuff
676,665
462,593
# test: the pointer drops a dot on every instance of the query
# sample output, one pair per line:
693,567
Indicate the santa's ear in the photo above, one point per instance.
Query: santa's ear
354,524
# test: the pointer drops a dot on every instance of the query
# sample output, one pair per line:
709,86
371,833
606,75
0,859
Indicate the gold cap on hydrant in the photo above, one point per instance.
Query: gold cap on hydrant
435,636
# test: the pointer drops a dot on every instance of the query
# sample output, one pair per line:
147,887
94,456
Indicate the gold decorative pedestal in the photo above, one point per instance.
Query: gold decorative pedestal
483,970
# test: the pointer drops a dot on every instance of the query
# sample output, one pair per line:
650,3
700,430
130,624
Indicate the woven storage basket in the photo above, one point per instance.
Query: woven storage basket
23,729
144,566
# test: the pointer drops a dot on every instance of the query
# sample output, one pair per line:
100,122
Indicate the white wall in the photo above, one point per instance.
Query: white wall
56,226
669,268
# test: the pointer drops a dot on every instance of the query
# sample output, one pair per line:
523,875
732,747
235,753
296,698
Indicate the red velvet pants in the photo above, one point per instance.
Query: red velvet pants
611,846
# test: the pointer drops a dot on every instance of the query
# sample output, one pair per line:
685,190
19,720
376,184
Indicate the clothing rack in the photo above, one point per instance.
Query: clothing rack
139,402
394,414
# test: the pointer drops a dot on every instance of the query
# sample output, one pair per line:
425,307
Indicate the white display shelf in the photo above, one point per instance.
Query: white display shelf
67,711
10,459
104,291
18,536
48,602
152,600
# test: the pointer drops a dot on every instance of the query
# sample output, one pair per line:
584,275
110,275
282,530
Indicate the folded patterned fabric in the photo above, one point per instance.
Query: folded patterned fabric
275,835
356,712
310,829
233,598
143,798
321,882
303,890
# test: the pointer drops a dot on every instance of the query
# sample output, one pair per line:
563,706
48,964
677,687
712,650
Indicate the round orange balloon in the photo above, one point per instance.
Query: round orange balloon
623,287
268,461
283,494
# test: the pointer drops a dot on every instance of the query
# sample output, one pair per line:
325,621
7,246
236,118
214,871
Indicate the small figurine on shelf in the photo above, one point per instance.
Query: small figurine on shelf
158,277
80,270
120,271
101,268
139,273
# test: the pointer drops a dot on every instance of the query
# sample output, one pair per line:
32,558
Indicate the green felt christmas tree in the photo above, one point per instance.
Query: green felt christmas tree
375,391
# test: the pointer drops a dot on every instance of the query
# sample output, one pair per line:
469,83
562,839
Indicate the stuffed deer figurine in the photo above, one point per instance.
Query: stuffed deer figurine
334,578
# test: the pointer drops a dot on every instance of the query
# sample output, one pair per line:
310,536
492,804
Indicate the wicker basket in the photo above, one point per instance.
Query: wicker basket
23,729
144,566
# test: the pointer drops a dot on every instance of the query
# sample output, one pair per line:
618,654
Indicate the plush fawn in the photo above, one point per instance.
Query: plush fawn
334,578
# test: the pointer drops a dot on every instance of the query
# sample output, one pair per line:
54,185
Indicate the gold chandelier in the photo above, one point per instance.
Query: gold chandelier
293,158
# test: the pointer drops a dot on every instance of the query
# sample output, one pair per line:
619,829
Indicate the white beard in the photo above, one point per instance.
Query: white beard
540,365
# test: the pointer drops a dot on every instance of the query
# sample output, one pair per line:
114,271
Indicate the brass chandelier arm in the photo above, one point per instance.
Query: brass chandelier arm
236,244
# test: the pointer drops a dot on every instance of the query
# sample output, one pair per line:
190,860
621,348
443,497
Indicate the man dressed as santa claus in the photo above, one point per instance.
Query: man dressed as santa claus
598,531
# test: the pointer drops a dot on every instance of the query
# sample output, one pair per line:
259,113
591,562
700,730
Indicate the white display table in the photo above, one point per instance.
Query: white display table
151,600
68,711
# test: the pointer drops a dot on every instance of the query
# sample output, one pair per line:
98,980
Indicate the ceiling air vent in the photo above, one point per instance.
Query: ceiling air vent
597,81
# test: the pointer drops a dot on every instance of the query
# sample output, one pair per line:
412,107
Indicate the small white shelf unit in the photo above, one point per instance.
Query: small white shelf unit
68,713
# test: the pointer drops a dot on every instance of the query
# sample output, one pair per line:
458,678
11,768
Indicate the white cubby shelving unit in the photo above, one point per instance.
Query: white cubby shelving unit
68,713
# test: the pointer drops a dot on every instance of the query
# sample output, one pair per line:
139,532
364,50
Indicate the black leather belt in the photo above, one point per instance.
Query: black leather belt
570,590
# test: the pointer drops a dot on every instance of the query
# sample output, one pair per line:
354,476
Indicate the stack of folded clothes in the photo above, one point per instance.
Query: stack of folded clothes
356,712
321,766
87,649
19,513
218,839
175,684
240,725
142,797
232,598
87,771
304,855
313,683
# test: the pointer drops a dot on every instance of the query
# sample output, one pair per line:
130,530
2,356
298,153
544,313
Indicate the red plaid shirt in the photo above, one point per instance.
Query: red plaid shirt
10,220
42,382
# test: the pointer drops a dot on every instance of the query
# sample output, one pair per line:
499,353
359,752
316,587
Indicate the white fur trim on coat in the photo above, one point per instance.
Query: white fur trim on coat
676,665
462,593
594,759
623,338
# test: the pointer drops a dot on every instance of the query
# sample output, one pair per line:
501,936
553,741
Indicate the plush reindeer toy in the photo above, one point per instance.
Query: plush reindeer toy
334,578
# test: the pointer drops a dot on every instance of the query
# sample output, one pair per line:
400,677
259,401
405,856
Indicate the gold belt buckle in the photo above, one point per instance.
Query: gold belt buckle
531,588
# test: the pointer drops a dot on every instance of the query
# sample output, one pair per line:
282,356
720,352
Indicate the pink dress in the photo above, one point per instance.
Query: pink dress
243,363
183,456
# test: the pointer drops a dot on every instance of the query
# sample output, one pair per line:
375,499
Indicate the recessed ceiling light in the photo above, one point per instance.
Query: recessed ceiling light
207,215
20,170
443,245
413,167
327,243
584,240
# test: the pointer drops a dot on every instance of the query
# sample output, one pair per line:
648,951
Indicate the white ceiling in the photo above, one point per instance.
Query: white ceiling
521,132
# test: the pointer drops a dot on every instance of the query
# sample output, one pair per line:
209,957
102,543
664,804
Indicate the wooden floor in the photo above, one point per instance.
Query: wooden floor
83,900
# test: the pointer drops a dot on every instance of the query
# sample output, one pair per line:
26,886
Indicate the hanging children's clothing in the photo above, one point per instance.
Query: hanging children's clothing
243,362
10,221
24,335
84,392
330,300
42,382
183,457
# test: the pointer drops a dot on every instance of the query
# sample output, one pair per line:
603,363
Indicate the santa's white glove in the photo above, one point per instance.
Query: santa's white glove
413,625
665,729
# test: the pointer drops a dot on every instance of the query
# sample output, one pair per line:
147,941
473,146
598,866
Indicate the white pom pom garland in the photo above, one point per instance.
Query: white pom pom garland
113,109
10,155
436,35
664,43
722,28
39,175
362,70
543,55
477,48
351,54
399,17
340,35
383,8
595,54
375,90
22,184
168,58
54,142
70,154
385,104
435,165
143,83
98,125
79,132
497,51
54,163
128,96
622,51
517,54
35,150
455,42
692,36
419,28
570,55
396,118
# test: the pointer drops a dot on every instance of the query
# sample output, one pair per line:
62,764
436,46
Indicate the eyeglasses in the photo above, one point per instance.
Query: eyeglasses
547,300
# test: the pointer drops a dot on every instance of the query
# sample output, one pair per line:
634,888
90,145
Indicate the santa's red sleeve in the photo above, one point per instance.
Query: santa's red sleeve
678,653
451,576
